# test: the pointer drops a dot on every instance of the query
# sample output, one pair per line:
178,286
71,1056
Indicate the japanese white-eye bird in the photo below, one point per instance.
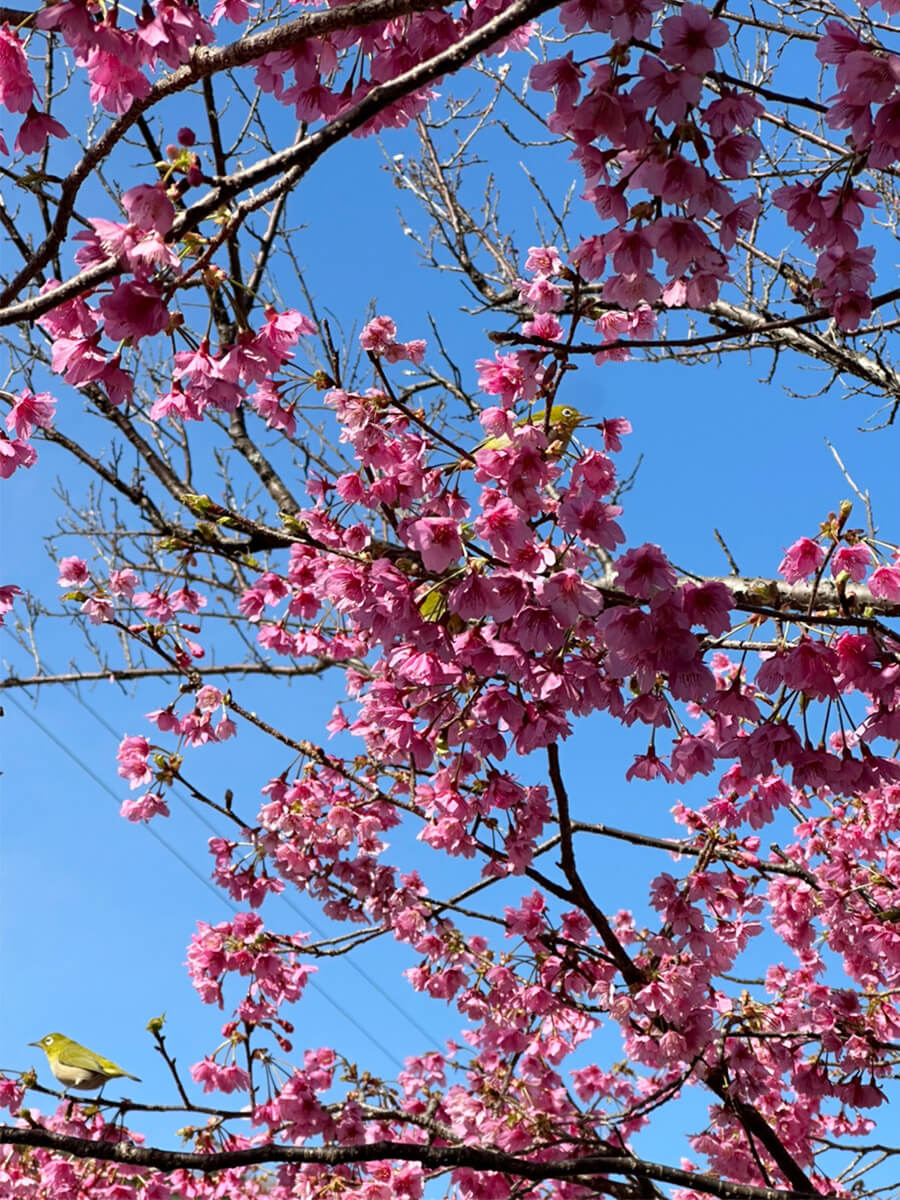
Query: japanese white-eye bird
564,419
77,1067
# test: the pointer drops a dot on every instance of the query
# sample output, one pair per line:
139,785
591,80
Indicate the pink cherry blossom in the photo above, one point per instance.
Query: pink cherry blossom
502,377
115,82
378,334
149,207
885,581
281,331
437,540
669,92
691,38
8,593
148,806
73,572
644,570
79,359
133,310
29,412
216,1078
801,560
36,129
133,766
855,560
16,86
236,11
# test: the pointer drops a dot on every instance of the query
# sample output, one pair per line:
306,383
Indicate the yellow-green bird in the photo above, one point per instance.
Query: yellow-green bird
564,420
77,1067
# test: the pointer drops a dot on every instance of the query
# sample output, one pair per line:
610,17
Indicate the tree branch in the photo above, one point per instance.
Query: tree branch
227,669
437,1157
630,973
206,62
698,342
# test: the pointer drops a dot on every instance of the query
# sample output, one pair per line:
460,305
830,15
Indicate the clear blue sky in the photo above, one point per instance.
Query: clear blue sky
97,913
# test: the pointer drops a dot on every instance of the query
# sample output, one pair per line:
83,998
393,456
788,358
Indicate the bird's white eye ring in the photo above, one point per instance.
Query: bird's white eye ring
49,1041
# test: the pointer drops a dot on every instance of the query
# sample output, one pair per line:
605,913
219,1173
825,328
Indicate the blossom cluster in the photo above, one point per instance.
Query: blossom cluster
663,161
483,634
521,643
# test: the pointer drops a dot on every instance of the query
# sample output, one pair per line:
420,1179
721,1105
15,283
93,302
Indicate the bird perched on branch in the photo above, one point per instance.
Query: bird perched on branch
564,420
77,1067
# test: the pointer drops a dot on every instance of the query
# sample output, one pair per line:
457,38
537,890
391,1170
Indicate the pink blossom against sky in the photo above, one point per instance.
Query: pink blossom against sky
720,447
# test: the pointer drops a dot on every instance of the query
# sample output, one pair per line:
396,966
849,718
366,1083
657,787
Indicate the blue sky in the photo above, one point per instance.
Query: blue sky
97,913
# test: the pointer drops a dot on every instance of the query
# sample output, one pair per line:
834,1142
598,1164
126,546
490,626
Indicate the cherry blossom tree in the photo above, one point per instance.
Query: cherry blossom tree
453,538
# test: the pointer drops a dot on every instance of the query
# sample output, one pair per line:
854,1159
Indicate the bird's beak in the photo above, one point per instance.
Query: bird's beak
34,1043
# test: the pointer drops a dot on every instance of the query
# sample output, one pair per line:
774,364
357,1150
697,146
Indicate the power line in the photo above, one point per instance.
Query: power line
101,783
283,896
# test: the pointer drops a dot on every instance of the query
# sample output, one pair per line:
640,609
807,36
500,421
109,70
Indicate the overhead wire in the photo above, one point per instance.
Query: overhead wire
283,896
207,883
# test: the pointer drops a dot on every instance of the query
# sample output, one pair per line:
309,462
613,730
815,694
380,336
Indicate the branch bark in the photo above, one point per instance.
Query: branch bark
630,973
206,62
227,669
436,1157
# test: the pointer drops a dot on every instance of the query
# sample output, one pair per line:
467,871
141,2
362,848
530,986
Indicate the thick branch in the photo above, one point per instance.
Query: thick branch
843,358
754,592
681,846
269,477
436,1157
244,668
630,973
759,1129
696,342
304,153
205,61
